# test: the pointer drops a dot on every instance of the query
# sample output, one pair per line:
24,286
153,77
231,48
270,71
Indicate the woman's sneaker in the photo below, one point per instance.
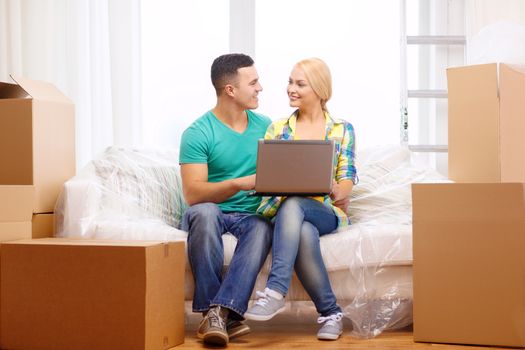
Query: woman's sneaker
332,327
267,306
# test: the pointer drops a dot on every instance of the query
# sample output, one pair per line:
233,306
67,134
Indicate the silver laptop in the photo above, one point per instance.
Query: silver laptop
294,167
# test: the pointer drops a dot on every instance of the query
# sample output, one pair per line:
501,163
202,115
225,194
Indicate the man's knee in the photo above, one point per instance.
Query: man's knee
204,213
260,229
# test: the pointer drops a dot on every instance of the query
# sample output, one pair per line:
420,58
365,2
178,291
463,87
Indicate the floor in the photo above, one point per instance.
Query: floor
285,332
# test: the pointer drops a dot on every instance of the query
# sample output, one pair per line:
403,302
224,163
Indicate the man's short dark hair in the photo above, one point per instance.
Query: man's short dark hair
224,69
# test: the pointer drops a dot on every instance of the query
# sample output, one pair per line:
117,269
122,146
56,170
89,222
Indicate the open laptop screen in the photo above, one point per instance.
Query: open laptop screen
294,167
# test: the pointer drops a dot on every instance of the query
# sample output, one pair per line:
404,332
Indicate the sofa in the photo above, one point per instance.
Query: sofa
136,194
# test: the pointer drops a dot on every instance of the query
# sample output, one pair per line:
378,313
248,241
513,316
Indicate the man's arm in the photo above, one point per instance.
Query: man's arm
197,189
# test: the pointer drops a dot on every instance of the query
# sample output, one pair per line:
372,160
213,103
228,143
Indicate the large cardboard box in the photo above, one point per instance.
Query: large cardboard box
16,207
59,294
42,225
469,263
37,139
486,123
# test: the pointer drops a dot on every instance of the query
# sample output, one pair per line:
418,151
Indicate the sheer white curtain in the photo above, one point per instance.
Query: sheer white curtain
496,31
90,49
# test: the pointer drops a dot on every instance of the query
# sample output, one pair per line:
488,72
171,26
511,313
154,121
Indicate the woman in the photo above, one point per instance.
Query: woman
300,221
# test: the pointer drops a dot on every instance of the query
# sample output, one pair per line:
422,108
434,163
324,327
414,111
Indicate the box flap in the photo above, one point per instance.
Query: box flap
8,90
16,203
40,90
512,123
88,242
468,201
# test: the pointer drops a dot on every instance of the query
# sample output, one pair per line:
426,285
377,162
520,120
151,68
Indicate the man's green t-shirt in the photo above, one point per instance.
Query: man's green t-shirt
229,154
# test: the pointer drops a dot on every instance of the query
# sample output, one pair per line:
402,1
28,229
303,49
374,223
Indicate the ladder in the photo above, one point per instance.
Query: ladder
405,92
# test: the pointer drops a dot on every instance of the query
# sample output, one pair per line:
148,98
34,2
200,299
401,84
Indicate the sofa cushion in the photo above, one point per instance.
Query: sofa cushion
141,184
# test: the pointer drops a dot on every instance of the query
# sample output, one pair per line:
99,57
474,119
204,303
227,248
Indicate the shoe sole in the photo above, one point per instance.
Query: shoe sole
232,334
217,338
328,336
263,317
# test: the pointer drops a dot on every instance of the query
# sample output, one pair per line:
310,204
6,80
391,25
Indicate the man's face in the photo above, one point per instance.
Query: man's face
246,88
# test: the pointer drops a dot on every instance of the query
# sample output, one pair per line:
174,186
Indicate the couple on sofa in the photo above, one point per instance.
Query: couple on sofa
218,160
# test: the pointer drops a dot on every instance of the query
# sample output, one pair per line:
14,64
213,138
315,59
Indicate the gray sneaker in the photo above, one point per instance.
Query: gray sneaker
332,327
265,307
212,328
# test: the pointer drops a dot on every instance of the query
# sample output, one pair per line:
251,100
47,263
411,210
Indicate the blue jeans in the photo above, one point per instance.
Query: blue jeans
206,224
298,225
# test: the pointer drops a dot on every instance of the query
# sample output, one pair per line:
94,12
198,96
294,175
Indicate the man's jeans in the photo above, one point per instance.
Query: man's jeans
206,224
298,224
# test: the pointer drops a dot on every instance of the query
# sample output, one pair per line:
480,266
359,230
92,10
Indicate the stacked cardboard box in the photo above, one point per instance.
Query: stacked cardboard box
37,150
486,123
469,236
16,203
60,294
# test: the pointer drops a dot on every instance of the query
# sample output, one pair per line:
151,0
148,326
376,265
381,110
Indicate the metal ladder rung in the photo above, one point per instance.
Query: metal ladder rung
436,40
428,148
428,93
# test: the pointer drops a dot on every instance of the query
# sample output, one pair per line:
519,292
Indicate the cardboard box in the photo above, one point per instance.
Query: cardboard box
16,207
59,294
43,225
37,139
469,263
12,231
486,123
16,203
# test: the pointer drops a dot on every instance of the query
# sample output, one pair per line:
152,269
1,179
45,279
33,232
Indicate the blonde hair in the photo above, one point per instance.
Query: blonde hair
319,77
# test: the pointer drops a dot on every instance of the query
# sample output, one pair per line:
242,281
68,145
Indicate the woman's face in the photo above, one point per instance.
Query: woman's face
300,93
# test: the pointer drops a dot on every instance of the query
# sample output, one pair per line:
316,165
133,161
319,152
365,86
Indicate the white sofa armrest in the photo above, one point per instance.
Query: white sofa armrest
77,205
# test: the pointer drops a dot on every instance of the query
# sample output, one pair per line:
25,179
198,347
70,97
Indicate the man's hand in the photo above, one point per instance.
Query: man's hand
245,183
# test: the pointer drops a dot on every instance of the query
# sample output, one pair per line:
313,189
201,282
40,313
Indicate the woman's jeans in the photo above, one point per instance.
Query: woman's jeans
206,224
299,223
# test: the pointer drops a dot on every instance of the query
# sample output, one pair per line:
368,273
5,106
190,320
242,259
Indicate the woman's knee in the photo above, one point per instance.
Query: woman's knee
292,204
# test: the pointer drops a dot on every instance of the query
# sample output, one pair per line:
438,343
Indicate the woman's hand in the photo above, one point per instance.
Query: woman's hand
337,193
340,194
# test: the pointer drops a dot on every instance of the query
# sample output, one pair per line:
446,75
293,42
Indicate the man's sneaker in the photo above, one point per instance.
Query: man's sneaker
212,328
265,307
236,328
332,327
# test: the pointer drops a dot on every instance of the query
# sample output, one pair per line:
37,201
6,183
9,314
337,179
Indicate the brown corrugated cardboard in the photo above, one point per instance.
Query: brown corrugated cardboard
486,106
469,265
11,231
37,139
16,203
43,225
59,294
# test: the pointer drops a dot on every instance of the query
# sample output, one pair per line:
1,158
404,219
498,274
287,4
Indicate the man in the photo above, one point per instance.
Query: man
217,156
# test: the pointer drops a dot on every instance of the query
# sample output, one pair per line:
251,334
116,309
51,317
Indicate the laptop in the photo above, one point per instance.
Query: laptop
294,167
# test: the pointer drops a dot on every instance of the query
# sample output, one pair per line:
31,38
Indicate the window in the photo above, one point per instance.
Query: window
180,39
358,39
359,42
